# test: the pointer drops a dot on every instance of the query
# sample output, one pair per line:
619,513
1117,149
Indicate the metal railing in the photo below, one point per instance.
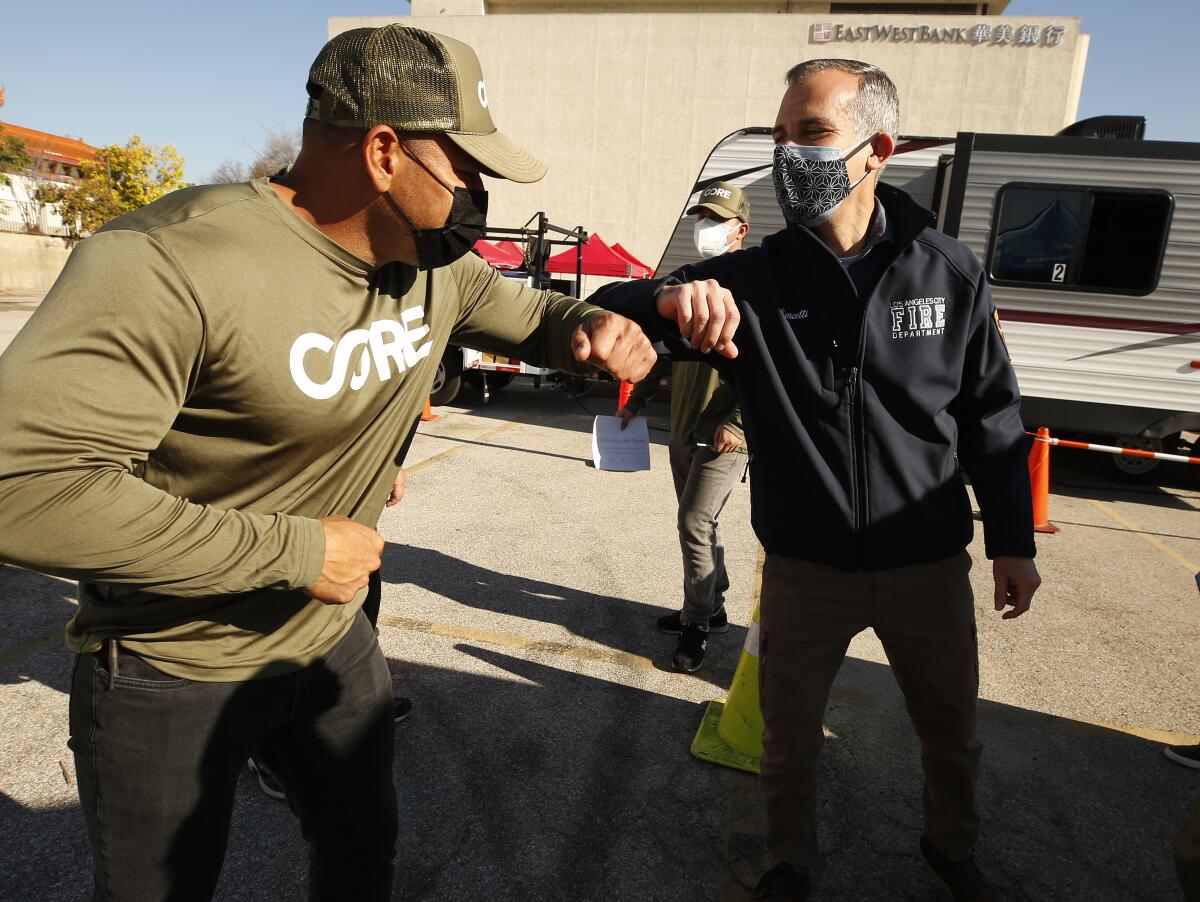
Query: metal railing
30,218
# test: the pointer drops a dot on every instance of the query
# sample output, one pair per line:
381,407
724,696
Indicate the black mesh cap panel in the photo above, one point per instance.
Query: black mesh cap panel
397,76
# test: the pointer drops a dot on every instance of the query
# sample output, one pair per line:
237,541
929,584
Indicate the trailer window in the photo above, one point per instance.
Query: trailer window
1079,238
1037,233
1125,239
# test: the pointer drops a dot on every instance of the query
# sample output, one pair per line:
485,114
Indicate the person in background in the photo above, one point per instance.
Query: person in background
707,448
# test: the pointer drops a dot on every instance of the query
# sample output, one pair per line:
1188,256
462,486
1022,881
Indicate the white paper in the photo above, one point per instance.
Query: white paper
614,448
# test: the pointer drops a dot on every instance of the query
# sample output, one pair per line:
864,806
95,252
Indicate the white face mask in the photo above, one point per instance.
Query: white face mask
711,237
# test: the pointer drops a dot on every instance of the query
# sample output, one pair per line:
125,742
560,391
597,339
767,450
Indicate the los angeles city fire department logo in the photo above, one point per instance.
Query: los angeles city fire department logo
918,317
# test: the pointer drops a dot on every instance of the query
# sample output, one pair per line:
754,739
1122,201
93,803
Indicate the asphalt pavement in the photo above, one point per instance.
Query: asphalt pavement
547,756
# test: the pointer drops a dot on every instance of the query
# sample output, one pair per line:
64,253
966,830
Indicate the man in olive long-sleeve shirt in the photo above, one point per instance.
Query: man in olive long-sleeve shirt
200,424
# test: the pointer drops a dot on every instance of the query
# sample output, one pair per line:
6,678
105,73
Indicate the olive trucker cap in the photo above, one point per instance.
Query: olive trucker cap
413,81
726,200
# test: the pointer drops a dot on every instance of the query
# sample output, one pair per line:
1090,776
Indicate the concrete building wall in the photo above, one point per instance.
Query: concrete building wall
29,264
501,7
446,8
625,107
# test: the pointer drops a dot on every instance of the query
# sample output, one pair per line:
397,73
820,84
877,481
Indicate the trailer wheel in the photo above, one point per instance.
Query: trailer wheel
1139,469
447,381
576,384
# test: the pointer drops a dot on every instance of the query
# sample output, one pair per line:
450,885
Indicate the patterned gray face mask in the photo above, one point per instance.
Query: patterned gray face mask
812,181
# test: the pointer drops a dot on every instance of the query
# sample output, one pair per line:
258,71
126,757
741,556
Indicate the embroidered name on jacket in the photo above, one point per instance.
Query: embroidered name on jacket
918,317
385,342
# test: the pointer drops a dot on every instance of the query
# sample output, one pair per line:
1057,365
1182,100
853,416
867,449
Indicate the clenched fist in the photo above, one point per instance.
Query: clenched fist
351,555
705,314
616,345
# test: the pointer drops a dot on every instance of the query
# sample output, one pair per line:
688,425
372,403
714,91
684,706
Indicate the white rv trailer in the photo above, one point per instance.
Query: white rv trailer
1092,249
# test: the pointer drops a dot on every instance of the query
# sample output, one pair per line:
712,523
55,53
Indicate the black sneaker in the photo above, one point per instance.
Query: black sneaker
717,623
963,878
1187,755
266,780
689,650
783,883
401,708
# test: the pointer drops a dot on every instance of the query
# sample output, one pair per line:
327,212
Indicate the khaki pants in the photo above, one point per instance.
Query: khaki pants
924,616
704,480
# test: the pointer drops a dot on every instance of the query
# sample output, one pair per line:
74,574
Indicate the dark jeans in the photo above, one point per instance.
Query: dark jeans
158,760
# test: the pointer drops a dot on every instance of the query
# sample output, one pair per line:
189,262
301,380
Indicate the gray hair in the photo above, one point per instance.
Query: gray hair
876,108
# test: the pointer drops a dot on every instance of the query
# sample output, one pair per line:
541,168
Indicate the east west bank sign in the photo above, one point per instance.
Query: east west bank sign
976,35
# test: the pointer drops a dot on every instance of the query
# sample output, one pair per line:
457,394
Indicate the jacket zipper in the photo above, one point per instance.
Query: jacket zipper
859,491
858,438
858,460
855,490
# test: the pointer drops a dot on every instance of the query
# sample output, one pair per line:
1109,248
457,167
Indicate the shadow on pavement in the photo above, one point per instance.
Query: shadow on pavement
35,608
43,852
536,783
521,780
617,623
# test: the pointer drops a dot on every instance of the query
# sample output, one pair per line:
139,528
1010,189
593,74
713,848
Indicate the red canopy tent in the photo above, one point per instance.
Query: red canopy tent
598,260
500,256
515,250
645,270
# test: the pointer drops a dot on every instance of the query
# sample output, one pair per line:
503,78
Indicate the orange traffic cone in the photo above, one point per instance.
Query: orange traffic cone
427,415
623,394
1039,482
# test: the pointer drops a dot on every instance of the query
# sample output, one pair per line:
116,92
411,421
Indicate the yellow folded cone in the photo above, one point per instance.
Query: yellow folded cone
731,732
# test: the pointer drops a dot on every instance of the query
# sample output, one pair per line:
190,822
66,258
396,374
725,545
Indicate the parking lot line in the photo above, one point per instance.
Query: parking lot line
457,449
1104,508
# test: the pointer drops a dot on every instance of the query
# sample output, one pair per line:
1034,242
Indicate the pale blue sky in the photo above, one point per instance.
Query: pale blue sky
212,77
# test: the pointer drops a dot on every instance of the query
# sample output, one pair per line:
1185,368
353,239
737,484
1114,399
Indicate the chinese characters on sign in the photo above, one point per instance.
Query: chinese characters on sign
978,35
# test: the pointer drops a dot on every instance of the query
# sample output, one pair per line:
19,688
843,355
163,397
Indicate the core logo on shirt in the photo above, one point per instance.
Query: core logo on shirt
385,342
918,317
795,314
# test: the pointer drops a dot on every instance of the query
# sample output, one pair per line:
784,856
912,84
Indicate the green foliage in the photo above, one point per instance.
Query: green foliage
13,156
118,181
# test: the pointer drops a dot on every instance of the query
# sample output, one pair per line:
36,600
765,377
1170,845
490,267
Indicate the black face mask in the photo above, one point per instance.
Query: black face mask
464,226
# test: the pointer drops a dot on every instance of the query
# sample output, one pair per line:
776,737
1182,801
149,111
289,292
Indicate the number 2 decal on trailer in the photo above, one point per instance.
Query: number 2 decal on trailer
1060,273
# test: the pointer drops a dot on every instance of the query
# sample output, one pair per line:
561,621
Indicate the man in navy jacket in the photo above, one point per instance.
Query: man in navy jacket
869,365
